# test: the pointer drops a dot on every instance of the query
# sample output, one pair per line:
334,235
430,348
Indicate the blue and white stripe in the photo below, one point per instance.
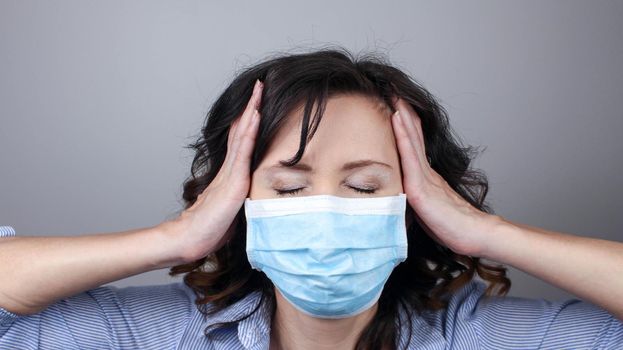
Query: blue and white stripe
165,317
6,231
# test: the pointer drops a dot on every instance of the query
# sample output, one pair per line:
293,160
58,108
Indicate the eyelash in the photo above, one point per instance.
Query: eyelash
296,190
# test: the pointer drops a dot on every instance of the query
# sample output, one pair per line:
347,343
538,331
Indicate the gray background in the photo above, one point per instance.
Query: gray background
98,99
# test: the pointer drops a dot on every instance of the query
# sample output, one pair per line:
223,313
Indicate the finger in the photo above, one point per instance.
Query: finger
254,100
243,122
242,160
411,167
251,104
414,129
230,139
247,115
232,131
412,122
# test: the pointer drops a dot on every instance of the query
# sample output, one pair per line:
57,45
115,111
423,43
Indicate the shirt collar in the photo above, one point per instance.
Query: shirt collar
427,330
423,334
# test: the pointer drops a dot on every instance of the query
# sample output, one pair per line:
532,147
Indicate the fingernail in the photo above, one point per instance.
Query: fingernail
396,116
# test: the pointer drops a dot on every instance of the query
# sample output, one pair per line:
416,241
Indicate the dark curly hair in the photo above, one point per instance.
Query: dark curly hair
431,270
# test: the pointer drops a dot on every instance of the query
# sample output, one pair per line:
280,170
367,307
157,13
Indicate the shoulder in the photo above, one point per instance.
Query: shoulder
156,298
7,231
143,307
126,316
506,322
444,328
461,305
106,317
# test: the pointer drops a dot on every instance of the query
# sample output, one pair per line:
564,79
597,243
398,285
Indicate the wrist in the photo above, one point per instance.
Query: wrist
498,233
171,239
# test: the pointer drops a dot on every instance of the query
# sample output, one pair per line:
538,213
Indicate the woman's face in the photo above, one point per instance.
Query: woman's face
352,154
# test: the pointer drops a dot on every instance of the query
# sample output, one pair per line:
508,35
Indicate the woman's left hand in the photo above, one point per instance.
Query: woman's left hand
573,263
443,214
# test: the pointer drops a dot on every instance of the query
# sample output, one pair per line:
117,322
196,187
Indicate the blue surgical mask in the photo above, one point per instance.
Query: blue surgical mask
328,256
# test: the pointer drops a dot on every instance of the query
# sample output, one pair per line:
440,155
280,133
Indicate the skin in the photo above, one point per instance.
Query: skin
583,266
38,271
353,128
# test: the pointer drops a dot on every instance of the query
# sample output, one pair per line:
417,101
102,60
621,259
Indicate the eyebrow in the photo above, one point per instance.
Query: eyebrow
347,166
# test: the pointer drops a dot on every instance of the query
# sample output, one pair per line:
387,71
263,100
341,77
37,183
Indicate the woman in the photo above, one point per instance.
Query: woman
361,231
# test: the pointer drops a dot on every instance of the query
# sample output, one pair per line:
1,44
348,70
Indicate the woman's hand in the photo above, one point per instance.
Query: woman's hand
207,224
445,216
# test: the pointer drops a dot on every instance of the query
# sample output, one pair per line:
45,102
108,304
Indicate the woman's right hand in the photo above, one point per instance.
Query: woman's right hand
207,224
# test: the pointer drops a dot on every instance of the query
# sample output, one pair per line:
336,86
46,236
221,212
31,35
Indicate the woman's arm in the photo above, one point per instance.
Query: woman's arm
37,271
589,268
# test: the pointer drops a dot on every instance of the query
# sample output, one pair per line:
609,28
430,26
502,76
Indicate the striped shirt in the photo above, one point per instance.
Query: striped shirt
165,317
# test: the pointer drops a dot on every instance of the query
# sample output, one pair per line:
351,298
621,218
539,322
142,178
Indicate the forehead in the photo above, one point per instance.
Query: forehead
353,126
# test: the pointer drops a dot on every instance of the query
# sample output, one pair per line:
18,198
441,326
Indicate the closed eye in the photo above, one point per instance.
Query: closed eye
288,192
296,190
